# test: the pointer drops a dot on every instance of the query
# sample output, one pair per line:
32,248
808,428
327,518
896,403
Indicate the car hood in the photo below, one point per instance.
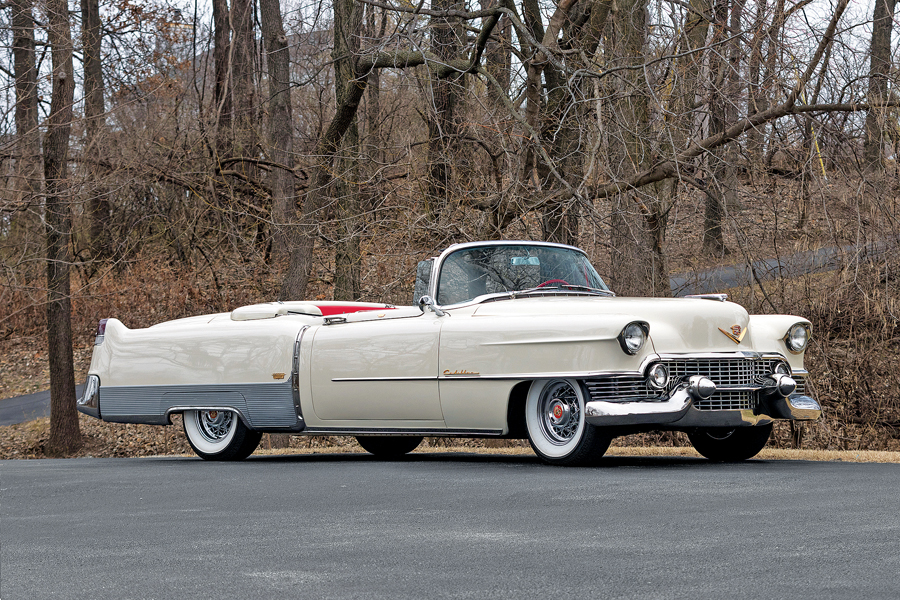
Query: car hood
676,324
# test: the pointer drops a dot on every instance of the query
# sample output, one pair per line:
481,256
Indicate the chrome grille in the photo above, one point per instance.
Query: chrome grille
728,400
724,372
612,389
801,383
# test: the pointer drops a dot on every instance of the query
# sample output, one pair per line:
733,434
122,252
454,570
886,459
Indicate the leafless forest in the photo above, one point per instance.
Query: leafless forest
161,159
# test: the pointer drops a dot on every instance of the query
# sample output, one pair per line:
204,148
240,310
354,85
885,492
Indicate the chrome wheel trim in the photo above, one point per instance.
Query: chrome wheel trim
555,416
210,431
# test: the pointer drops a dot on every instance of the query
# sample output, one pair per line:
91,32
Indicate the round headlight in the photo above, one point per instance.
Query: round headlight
797,337
782,368
658,376
633,337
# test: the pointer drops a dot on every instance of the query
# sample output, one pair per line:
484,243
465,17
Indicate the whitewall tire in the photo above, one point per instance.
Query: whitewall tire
557,430
219,435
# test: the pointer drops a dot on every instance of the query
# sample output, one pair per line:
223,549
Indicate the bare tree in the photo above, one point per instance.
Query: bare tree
222,73
27,181
280,125
879,70
94,109
65,434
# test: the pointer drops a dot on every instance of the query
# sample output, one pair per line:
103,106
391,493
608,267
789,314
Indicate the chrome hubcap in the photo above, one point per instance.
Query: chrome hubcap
559,412
214,425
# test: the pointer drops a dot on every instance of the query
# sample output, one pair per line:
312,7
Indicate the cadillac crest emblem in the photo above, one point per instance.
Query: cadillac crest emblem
736,334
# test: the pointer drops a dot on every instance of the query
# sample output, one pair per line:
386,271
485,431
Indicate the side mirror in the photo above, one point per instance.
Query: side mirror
428,302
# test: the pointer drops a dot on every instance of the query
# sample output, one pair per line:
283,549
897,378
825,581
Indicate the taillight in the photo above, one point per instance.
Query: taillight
101,332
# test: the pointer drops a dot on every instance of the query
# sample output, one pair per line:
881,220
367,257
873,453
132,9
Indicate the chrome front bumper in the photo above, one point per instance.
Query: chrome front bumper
677,411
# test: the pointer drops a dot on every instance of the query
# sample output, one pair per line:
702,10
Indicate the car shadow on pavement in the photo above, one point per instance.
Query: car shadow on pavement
607,462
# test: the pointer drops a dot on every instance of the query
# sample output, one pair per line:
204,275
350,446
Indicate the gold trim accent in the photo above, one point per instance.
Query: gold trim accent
448,372
277,375
735,338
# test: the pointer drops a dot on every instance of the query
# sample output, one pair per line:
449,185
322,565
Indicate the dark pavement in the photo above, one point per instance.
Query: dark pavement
454,526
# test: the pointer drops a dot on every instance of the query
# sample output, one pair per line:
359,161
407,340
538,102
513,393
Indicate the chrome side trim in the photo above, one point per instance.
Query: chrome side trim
423,378
295,375
428,432
181,409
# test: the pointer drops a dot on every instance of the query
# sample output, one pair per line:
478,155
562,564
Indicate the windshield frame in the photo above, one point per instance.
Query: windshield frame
439,265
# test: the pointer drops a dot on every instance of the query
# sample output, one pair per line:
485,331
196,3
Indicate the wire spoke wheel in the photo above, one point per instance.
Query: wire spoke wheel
559,412
554,417
219,434
214,425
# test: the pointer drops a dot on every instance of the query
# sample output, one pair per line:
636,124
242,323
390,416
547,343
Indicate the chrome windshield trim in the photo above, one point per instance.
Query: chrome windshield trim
439,265
295,373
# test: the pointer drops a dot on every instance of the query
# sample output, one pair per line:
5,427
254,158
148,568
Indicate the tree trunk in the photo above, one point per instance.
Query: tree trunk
281,127
65,435
879,70
754,66
94,109
723,181
347,27
222,60
442,125
27,182
242,73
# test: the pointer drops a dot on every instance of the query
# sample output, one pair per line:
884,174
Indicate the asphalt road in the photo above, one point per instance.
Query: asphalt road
22,409
434,526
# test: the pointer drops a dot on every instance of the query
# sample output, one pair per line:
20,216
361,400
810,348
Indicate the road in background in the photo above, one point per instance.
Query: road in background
27,408
459,526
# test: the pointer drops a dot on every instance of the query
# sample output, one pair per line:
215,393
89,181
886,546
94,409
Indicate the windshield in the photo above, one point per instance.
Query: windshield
472,272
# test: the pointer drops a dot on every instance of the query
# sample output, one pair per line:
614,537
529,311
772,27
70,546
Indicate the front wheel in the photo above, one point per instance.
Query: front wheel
389,446
219,435
559,435
730,445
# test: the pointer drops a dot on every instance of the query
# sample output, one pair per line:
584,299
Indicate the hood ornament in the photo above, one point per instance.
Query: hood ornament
736,334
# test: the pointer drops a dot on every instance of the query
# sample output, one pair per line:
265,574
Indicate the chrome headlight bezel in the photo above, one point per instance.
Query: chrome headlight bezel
633,337
796,340
782,368
657,376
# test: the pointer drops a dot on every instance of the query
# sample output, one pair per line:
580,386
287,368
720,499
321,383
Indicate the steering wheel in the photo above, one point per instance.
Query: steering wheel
549,281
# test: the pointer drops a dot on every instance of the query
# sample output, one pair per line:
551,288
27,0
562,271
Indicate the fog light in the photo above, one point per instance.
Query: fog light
782,368
658,376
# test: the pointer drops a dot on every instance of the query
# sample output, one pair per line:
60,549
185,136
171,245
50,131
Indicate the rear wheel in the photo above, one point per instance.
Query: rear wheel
559,435
389,446
219,435
730,445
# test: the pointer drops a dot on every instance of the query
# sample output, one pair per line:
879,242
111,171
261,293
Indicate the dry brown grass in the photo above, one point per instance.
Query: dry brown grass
854,311
26,441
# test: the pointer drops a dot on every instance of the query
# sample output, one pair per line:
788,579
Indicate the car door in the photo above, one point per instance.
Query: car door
377,368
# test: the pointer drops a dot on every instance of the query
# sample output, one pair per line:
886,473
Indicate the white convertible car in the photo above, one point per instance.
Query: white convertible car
505,339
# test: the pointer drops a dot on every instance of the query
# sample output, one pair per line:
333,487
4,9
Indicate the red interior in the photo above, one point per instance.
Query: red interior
343,309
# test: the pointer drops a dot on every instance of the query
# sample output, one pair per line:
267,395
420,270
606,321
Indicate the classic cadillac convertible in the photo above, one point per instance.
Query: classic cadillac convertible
505,339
